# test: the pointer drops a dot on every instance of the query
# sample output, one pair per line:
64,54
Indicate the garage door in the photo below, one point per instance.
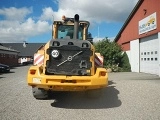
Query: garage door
149,52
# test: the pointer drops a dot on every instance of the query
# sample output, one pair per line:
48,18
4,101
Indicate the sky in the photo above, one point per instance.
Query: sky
31,20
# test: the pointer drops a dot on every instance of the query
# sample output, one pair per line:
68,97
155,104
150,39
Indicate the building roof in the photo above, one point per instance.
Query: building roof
128,19
27,49
7,49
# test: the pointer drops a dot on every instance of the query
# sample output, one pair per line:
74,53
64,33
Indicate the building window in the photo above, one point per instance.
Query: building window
10,56
144,53
156,59
3,55
155,52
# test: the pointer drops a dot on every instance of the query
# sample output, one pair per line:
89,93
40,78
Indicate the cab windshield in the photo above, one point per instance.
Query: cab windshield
66,31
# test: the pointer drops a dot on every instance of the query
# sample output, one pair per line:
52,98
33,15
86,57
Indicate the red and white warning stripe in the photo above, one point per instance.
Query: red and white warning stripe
99,60
38,59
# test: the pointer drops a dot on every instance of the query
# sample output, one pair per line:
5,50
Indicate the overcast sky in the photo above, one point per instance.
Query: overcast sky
31,20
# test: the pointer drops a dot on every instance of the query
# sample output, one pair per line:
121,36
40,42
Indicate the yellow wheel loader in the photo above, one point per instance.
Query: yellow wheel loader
68,62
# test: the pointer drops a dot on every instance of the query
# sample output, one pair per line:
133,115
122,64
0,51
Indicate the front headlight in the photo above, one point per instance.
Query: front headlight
55,53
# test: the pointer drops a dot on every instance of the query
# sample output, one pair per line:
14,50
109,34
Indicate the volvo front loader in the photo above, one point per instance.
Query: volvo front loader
68,62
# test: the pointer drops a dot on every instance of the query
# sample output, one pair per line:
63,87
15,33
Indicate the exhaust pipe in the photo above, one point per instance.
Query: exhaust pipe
76,26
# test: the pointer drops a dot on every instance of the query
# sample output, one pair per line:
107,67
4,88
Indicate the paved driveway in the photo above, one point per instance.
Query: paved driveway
129,96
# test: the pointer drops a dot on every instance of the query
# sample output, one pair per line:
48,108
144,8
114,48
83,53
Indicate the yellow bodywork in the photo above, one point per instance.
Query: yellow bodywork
67,83
98,77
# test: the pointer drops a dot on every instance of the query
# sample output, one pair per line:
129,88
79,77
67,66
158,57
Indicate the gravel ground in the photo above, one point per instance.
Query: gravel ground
129,96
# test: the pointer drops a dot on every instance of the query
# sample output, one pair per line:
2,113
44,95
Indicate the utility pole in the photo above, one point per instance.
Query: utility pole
98,32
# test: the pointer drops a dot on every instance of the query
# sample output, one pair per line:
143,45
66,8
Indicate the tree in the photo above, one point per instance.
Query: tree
125,65
112,53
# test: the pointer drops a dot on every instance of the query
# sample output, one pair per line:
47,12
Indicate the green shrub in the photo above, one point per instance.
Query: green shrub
126,67
114,58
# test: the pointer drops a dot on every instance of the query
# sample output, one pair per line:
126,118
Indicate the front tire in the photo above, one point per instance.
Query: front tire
40,93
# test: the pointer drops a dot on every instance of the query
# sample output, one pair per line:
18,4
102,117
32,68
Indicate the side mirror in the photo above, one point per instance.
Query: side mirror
90,40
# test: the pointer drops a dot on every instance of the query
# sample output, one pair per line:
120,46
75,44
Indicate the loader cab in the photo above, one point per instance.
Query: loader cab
67,32
70,28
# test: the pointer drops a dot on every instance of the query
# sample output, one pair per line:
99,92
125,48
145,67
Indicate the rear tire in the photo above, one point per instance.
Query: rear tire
40,93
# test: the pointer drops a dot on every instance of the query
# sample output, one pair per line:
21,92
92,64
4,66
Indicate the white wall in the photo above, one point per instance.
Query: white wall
134,55
129,55
23,60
